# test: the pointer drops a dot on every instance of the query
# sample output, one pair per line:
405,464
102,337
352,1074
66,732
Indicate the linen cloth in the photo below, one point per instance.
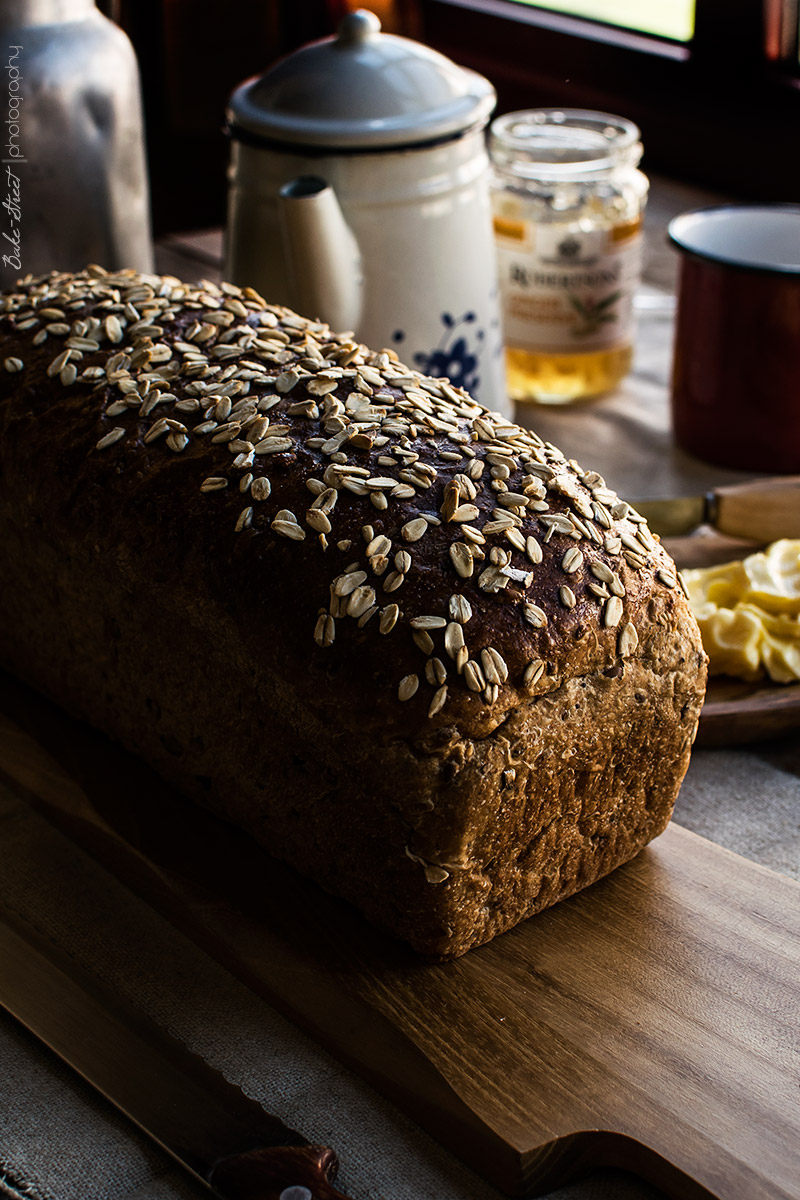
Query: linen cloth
59,1141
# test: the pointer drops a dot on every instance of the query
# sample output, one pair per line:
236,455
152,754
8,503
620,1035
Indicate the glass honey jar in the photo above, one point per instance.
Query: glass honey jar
568,202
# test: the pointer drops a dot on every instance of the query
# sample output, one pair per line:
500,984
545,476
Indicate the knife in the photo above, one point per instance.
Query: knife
763,510
224,1139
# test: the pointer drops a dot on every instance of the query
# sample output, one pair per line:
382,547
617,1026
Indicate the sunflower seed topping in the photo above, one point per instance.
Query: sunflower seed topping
533,672
389,616
214,483
260,488
459,608
435,672
473,676
534,615
413,530
612,613
628,640
427,622
461,558
285,524
111,437
494,665
198,370
408,687
423,641
572,560
325,630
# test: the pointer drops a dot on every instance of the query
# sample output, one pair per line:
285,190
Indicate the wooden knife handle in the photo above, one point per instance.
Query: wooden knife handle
278,1173
764,510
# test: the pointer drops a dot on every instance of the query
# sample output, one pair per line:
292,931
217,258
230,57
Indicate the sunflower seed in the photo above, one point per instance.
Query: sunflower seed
459,608
155,431
13,364
318,520
473,676
612,613
113,328
438,701
347,583
423,640
435,672
454,639
260,488
533,672
326,498
427,622
325,630
389,616
58,362
285,524
533,549
666,577
380,545
402,561
408,687
414,529
466,512
494,665
273,445
392,582
360,600
572,560
245,519
628,640
567,596
534,615
111,437
462,560
214,483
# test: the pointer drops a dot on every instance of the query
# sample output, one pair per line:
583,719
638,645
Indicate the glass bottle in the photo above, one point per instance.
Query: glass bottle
74,158
568,203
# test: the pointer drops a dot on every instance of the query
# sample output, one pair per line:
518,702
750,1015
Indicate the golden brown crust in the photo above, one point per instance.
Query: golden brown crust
420,588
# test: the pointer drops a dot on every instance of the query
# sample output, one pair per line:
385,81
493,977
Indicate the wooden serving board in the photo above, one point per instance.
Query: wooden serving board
650,1022
736,713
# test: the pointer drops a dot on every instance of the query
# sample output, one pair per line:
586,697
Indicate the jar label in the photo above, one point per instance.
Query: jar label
565,289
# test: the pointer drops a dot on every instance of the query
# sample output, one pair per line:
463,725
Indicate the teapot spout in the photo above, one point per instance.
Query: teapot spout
323,260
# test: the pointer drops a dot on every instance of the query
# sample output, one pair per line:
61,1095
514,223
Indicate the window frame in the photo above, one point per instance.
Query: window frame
727,121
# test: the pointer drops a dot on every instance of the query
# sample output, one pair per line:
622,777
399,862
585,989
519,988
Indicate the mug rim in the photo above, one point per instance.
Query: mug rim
725,260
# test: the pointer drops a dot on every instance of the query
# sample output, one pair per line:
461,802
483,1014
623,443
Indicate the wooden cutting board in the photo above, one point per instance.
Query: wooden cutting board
652,1022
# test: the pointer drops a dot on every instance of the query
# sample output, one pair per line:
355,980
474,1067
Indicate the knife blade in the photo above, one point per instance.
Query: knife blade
226,1140
762,510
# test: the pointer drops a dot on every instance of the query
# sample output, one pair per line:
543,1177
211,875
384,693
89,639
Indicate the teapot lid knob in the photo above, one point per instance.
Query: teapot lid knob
357,27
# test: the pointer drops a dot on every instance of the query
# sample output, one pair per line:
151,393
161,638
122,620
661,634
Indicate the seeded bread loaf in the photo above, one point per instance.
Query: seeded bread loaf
419,655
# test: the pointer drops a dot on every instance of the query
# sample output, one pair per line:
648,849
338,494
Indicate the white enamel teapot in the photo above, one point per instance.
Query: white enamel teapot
359,195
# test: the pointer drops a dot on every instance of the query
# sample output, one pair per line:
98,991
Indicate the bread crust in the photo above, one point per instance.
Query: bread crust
243,637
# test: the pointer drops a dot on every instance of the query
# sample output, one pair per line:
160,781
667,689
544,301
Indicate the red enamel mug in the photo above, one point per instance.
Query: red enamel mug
736,363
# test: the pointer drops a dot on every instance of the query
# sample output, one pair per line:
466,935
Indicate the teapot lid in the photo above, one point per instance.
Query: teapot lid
361,90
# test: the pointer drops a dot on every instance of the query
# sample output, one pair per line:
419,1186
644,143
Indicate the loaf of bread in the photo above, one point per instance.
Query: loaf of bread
436,667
